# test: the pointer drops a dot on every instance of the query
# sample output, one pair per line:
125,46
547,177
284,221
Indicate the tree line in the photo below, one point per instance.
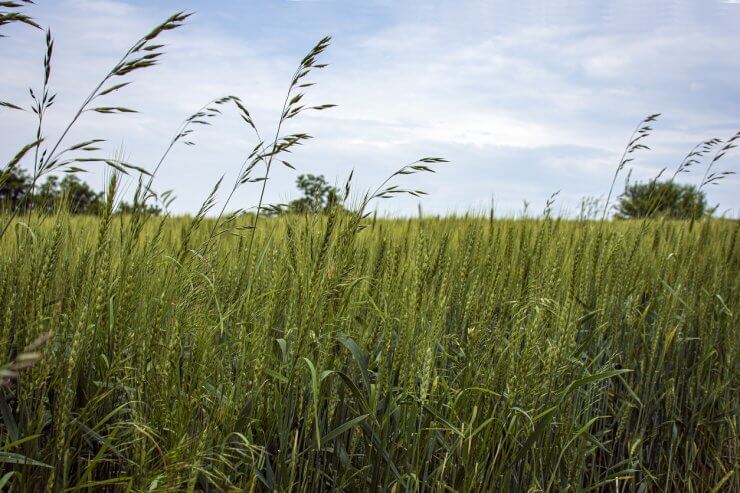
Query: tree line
639,200
18,191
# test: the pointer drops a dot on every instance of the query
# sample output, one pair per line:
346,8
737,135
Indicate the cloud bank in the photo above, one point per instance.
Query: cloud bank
523,100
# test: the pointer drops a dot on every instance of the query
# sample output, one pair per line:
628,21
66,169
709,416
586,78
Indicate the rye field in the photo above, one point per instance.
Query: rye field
453,354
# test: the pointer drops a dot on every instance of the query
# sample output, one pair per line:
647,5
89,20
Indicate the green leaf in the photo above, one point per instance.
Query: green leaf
11,458
4,480
358,355
315,390
344,427
8,418
591,379
355,390
544,423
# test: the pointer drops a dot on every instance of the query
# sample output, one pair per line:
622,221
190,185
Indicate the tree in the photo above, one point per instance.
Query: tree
318,195
14,184
80,198
48,194
661,199
131,208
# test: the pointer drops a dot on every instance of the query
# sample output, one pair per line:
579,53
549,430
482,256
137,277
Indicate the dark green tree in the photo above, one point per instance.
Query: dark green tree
71,192
47,195
81,198
318,195
130,208
661,199
14,184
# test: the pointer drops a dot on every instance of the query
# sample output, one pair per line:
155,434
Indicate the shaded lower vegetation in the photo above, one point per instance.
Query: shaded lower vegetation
425,354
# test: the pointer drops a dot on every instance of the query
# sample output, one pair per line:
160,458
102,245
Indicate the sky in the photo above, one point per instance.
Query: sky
523,98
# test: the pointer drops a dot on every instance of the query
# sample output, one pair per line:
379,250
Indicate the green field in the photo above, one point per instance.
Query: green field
454,354
313,346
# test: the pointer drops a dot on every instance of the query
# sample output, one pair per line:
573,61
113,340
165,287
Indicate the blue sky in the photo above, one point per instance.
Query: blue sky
524,98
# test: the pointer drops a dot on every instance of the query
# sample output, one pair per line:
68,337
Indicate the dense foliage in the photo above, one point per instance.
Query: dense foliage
71,193
318,195
513,355
662,199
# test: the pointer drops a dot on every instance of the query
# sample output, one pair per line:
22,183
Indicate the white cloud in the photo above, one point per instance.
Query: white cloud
521,110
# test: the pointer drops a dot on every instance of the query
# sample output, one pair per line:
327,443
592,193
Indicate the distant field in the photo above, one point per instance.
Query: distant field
424,354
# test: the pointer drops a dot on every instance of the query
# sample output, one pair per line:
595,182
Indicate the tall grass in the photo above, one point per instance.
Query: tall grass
518,355
342,352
